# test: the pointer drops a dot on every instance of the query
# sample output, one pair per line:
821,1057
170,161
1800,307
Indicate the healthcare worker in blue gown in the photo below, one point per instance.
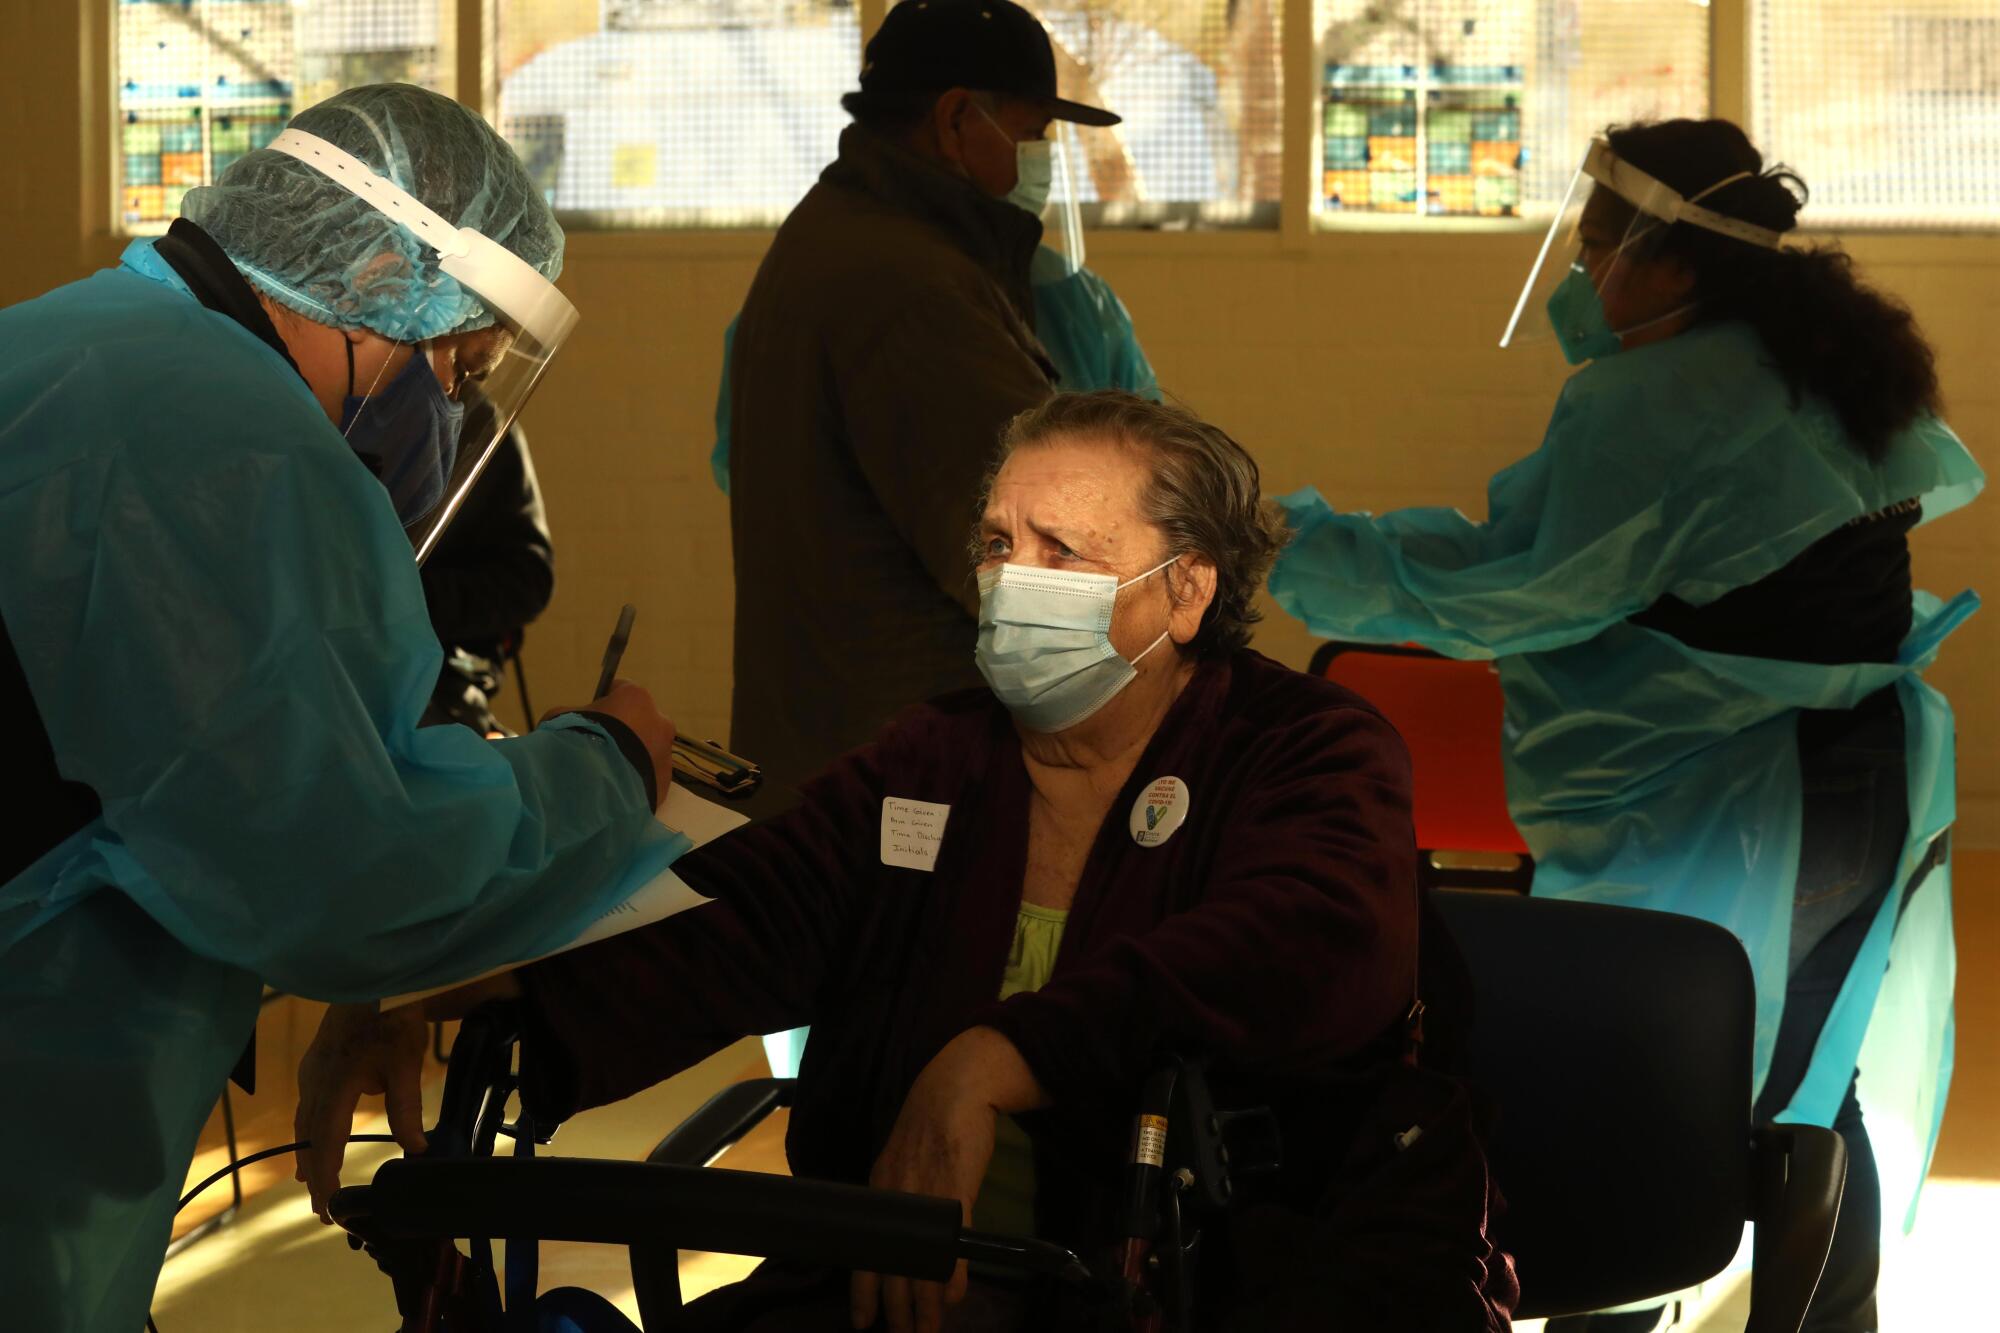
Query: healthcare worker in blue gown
1698,589
214,461
1081,324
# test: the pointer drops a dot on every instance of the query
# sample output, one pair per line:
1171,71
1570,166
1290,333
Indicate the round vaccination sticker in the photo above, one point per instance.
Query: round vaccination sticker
1161,808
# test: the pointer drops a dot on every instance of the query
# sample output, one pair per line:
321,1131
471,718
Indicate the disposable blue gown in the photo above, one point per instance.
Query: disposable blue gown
1645,772
1078,318
225,637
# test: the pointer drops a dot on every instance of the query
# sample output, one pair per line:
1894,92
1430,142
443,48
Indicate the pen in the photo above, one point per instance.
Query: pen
701,761
615,650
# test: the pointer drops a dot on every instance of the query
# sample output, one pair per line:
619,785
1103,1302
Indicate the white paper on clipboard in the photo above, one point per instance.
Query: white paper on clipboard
665,895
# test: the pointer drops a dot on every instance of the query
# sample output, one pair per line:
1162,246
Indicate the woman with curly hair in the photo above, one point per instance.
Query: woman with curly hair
1698,592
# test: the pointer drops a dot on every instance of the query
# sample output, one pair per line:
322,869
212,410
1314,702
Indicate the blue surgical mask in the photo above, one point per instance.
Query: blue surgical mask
1045,642
407,434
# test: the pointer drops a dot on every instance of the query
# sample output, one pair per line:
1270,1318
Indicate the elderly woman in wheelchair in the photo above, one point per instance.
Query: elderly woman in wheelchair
1005,918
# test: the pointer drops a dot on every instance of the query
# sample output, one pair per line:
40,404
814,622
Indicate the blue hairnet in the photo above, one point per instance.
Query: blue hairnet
317,249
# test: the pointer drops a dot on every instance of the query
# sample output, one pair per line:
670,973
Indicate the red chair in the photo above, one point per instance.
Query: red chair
1449,713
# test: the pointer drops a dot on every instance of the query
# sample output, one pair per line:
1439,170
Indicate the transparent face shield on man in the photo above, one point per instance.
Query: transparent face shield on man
1585,291
1050,171
1062,220
495,369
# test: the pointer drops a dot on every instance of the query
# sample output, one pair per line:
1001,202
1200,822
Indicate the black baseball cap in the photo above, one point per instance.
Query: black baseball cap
989,46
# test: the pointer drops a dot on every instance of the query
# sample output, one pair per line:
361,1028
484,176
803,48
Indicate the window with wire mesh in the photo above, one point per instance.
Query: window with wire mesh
674,113
1889,109
1482,108
1199,84
202,82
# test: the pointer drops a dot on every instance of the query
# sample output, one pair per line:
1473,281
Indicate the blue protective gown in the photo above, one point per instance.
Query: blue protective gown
225,637
1643,771
1081,323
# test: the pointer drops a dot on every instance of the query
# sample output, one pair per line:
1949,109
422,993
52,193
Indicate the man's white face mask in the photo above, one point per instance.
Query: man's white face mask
1034,169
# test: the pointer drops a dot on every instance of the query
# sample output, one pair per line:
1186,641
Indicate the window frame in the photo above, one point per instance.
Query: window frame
104,187
1299,225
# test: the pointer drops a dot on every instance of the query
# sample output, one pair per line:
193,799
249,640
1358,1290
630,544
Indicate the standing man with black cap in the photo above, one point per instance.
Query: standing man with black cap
887,339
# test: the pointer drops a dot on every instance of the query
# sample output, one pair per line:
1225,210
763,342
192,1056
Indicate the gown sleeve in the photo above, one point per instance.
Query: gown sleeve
1686,468
225,635
615,1017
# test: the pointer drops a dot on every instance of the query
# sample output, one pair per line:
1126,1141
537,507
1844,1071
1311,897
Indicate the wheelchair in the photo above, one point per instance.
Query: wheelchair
1180,1179
1627,1182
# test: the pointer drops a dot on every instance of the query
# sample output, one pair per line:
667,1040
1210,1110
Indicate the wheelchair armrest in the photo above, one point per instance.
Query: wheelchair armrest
722,1120
1798,1175
678,1207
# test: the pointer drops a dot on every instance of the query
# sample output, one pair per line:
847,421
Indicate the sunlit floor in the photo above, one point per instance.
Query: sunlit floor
1933,1282
276,1267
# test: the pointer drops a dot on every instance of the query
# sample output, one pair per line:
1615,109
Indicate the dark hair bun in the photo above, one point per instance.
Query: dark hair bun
1828,333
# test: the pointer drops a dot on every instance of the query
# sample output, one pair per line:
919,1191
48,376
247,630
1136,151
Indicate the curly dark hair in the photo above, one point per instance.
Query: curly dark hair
1829,334
1203,494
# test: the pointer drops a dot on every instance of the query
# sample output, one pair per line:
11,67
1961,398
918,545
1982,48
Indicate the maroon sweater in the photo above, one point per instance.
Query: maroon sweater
1275,931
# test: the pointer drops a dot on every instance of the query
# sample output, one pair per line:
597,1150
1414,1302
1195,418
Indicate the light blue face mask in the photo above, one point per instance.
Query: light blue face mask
1045,642
1035,176
1034,169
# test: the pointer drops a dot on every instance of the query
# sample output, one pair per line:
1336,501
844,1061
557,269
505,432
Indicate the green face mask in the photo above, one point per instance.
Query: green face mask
1576,312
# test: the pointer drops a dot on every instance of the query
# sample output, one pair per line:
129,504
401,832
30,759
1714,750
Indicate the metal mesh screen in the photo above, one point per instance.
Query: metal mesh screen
1200,86
1889,110
652,113
1481,108
201,82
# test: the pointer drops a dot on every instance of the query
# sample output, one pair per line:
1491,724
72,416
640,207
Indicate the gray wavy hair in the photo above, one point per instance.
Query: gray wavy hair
1203,494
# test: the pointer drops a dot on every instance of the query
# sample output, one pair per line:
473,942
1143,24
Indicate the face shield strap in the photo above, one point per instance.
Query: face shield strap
534,316
501,278
1656,199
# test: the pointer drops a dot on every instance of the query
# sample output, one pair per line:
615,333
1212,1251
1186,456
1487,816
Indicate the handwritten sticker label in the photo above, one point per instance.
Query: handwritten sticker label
912,832
1161,808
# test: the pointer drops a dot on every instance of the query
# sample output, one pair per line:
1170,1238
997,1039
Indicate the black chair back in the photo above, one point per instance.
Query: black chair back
1617,1044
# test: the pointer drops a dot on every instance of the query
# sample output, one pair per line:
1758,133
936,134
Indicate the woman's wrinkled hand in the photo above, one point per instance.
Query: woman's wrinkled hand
358,1052
941,1145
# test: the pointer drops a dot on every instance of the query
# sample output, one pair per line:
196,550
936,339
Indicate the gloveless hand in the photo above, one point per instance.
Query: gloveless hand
941,1145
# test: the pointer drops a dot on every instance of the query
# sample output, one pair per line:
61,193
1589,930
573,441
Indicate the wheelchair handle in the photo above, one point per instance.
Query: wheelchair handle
685,1207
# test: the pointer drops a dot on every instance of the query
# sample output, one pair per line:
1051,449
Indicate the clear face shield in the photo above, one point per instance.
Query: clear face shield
1062,218
502,364
1585,289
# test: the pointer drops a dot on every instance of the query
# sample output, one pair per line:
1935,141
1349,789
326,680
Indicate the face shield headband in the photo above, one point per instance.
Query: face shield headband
1654,202
526,304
